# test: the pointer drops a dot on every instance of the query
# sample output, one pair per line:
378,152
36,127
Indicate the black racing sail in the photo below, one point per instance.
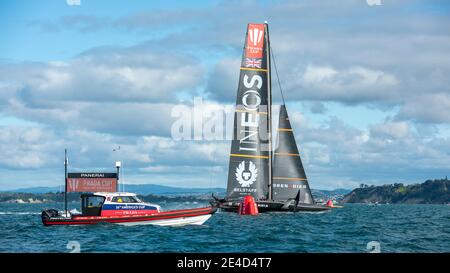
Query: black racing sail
289,178
250,165
254,169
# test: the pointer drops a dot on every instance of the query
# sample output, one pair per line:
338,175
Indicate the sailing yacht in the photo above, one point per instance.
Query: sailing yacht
273,176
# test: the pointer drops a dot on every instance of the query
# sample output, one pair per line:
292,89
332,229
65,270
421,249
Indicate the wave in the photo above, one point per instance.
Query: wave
18,213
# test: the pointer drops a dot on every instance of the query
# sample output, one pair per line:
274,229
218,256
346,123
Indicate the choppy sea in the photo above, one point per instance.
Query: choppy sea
391,228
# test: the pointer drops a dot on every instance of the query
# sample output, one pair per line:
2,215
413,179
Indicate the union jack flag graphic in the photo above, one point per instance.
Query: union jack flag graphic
253,62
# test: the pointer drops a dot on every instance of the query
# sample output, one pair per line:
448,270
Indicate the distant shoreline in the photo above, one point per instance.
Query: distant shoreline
429,192
52,197
30,198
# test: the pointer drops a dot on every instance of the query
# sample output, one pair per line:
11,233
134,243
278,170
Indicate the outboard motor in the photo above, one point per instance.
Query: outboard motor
47,214
248,206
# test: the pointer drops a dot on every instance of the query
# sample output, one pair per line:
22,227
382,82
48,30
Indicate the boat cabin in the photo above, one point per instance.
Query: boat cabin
115,204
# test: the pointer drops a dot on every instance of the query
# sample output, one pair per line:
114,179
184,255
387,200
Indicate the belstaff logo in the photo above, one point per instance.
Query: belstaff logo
246,177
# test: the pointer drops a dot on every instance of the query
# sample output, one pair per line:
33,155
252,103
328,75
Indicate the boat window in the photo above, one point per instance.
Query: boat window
124,199
94,201
117,199
130,199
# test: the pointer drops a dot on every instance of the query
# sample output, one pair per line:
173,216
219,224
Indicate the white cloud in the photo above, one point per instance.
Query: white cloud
223,81
352,84
41,149
26,147
120,74
386,152
318,75
396,130
427,108
113,96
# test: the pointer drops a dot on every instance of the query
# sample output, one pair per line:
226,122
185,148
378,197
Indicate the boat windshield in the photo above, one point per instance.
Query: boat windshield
126,199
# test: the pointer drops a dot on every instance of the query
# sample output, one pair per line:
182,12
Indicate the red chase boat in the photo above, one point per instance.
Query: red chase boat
125,209
101,202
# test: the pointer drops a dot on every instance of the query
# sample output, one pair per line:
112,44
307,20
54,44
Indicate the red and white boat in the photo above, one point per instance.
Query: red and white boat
124,209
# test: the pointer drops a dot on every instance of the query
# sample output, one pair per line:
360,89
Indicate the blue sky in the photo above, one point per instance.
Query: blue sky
367,87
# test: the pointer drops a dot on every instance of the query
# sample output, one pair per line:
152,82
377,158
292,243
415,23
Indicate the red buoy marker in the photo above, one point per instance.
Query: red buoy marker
248,206
330,203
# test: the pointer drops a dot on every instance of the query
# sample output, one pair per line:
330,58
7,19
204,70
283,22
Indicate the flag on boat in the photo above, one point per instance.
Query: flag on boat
253,62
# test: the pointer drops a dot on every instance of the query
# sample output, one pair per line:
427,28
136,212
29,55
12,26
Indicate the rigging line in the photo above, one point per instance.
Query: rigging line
276,72
211,170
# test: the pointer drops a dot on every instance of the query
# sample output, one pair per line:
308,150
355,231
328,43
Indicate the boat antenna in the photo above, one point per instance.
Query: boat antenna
213,163
65,181
120,171
276,72
118,164
123,179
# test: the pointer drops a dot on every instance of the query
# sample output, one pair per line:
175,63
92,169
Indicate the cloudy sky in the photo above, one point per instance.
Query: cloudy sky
367,87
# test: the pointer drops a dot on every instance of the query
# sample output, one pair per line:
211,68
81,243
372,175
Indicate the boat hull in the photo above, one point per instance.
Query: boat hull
273,206
193,220
169,218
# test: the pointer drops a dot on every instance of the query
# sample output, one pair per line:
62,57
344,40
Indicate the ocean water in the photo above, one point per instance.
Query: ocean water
396,228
